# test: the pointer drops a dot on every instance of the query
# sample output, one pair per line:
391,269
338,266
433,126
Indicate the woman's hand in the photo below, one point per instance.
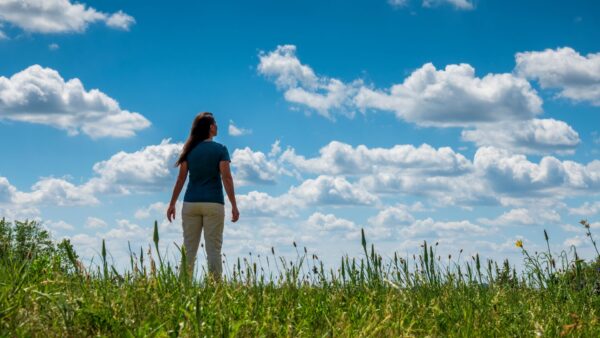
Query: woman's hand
235,214
171,212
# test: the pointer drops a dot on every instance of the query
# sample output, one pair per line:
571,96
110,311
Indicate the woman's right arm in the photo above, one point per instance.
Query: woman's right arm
183,171
228,184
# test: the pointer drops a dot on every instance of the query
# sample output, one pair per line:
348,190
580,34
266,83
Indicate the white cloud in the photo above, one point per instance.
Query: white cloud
10,208
148,169
454,96
536,136
458,4
389,219
586,209
19,205
53,46
429,227
302,86
334,190
260,204
319,224
3,35
55,191
120,20
153,209
95,223
515,175
7,191
329,222
338,158
323,190
127,230
283,65
254,167
498,110
576,76
40,95
274,233
392,216
275,149
236,131
59,225
577,241
523,216
58,16
465,190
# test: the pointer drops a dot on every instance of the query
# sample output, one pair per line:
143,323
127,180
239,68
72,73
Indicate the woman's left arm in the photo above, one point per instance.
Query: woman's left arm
183,170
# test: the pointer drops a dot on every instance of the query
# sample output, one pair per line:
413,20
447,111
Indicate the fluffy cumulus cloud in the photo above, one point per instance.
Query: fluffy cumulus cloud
496,109
331,190
536,136
451,229
157,208
575,76
467,190
516,175
40,95
320,191
9,206
58,226
387,221
523,216
392,216
56,191
58,16
48,191
303,87
498,177
261,204
95,223
319,224
454,96
145,170
252,167
237,131
339,158
586,209
7,191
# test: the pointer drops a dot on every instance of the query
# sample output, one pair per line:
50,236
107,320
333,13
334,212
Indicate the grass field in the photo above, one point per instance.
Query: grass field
46,291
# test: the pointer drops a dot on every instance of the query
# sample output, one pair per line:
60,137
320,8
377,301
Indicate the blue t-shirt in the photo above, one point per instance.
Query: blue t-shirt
204,175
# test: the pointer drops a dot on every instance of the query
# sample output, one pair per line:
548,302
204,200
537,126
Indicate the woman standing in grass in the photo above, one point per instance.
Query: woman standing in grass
203,204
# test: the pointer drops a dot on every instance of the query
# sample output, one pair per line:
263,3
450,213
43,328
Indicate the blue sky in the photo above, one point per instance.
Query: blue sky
471,123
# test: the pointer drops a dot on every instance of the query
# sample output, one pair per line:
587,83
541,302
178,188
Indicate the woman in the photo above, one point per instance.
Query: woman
203,203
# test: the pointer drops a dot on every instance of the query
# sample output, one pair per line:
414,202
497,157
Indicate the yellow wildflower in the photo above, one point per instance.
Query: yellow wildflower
519,243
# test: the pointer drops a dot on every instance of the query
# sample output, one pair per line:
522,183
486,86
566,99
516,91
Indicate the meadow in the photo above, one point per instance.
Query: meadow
46,291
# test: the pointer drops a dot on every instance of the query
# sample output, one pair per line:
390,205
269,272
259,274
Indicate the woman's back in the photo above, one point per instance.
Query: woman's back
204,183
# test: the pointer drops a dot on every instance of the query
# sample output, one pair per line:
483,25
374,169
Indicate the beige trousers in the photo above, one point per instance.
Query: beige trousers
196,216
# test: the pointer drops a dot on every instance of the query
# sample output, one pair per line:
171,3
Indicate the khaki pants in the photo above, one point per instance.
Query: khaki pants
196,216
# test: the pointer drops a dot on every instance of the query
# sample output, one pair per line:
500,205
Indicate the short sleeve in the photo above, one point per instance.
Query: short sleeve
225,155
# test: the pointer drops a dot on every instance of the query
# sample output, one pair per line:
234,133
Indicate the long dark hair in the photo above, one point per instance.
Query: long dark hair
200,132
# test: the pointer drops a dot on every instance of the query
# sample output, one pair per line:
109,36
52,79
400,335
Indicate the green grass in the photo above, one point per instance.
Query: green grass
46,291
